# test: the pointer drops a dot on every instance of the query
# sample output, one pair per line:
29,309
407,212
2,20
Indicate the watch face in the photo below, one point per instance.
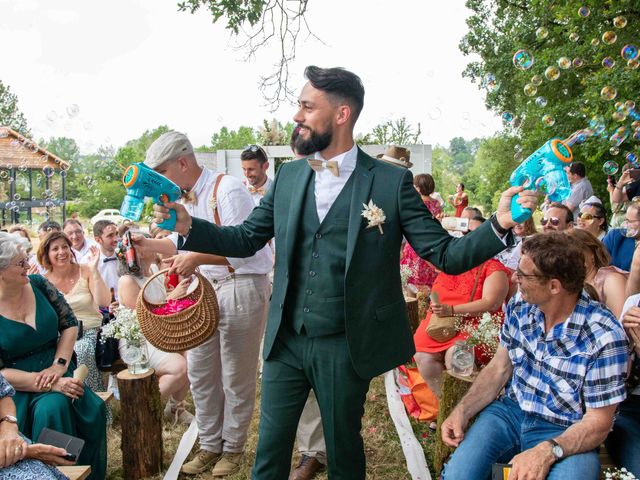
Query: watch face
557,451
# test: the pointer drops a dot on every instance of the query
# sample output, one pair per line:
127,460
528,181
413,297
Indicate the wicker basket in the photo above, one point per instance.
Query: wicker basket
183,330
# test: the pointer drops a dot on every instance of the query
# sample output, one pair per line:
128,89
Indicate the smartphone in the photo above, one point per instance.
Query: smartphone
634,173
72,445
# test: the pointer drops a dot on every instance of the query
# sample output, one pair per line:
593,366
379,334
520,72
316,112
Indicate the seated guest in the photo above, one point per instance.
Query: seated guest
85,292
489,284
593,219
171,368
80,244
511,256
20,459
621,242
623,443
608,282
37,332
563,359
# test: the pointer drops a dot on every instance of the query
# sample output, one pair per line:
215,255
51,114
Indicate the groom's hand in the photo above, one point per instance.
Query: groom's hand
528,199
183,219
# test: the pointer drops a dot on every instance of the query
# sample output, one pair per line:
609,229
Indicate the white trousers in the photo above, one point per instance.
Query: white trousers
310,435
222,371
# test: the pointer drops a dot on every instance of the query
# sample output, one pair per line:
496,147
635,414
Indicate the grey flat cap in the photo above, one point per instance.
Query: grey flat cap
168,146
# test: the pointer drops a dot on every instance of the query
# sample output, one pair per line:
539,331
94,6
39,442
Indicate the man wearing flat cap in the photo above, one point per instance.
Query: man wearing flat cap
222,371
338,316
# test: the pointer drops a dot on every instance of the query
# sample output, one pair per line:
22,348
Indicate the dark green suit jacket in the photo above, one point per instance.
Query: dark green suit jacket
377,327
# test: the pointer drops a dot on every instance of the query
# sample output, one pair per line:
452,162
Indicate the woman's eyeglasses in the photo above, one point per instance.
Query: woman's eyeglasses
555,221
24,263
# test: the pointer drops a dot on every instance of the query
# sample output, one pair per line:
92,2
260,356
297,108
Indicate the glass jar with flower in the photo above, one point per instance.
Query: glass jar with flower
133,346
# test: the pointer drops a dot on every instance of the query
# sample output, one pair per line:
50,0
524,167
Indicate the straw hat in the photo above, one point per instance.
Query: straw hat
396,156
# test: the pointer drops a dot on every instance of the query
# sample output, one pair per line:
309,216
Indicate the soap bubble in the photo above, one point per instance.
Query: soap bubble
52,116
541,102
536,80
16,197
542,33
632,158
564,63
620,135
635,125
490,83
574,37
548,120
608,62
608,93
523,60
595,42
507,117
636,134
73,110
619,116
633,64
48,171
552,73
629,52
584,12
620,22
577,62
609,37
530,90
544,186
614,150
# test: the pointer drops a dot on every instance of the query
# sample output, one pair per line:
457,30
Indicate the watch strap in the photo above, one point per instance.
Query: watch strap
494,222
10,419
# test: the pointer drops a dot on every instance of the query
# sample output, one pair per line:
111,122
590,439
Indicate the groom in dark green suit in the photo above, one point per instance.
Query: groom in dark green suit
338,316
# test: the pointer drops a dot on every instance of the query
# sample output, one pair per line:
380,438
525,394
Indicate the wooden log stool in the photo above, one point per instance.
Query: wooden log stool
412,311
454,387
141,420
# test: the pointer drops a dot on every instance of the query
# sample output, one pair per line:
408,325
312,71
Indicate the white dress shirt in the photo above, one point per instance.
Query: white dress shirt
256,196
82,255
327,185
109,272
234,204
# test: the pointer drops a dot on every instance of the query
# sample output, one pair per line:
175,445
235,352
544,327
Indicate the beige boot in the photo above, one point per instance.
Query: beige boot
176,412
204,460
228,464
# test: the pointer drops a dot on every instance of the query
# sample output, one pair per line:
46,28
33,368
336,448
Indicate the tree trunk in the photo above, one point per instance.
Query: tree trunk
412,311
141,421
453,389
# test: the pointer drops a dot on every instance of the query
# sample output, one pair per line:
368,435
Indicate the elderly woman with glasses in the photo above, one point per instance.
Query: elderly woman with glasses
593,219
37,333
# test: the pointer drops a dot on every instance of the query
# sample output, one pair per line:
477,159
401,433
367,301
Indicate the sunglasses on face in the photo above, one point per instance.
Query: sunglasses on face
256,149
587,216
555,221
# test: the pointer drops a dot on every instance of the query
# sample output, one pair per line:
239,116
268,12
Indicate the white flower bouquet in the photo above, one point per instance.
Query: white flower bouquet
618,474
485,335
124,327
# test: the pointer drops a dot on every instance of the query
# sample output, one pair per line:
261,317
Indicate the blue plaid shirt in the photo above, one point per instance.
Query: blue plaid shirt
581,363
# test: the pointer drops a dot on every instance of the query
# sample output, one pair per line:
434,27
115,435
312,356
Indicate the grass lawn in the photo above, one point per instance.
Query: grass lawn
385,460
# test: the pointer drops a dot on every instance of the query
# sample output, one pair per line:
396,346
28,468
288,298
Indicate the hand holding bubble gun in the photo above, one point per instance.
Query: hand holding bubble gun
142,181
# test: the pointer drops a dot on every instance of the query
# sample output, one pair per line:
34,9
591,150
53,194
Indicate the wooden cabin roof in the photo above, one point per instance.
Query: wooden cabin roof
17,150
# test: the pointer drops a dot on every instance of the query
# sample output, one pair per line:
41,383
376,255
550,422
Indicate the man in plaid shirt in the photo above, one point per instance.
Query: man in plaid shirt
563,358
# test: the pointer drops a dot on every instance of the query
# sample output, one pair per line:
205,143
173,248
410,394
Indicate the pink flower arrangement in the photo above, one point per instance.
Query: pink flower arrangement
173,306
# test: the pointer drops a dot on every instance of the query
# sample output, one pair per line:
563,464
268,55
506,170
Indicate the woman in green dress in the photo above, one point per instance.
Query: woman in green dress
37,333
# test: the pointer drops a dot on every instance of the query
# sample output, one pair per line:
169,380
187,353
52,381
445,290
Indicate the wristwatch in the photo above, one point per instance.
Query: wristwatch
556,449
10,419
61,361
499,228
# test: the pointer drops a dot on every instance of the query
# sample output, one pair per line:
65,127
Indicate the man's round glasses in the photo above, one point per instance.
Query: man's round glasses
555,221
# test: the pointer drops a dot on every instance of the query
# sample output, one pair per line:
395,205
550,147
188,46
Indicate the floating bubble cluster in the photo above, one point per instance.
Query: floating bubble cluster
610,167
523,59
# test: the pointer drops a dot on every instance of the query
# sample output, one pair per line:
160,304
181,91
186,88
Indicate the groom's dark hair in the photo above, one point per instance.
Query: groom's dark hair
340,84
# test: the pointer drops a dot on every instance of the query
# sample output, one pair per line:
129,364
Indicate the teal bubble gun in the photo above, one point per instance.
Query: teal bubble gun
542,171
142,181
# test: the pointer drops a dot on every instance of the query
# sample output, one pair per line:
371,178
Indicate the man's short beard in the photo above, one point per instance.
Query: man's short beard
315,143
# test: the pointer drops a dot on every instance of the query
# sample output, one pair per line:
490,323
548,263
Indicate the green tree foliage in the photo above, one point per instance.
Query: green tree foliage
227,139
556,35
10,116
392,132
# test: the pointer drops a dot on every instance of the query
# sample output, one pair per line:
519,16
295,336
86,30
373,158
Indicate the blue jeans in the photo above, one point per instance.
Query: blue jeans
623,443
500,432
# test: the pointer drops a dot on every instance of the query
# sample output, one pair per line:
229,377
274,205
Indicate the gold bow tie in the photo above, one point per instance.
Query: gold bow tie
189,197
331,165
261,191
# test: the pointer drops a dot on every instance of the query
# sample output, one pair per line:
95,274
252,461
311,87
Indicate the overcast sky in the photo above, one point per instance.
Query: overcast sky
104,72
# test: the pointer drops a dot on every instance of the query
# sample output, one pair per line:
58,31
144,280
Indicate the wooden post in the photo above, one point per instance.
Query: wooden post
141,421
412,311
454,388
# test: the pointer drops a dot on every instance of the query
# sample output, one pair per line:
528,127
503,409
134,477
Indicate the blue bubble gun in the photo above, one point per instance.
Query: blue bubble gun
142,181
542,171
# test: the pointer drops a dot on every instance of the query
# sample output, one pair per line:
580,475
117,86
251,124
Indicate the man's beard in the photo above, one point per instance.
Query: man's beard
315,143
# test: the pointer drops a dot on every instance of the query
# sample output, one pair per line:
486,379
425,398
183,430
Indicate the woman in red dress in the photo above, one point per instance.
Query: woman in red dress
423,273
454,293
460,200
